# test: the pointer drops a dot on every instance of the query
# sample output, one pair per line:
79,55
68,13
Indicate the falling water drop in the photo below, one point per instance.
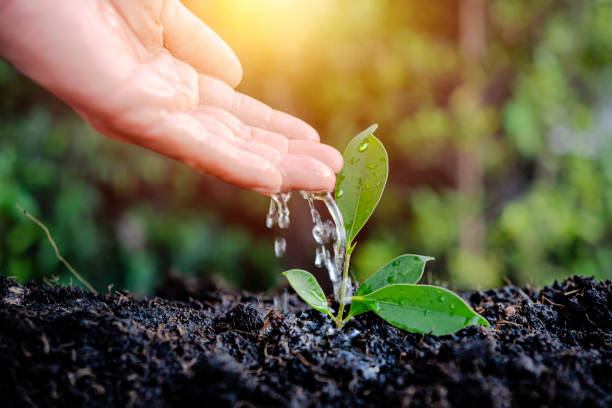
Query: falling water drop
319,255
271,217
324,233
317,233
280,246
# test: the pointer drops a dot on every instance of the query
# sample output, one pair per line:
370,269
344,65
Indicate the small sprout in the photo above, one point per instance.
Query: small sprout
392,292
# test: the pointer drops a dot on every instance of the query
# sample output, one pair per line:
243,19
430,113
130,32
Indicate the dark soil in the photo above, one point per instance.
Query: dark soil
63,346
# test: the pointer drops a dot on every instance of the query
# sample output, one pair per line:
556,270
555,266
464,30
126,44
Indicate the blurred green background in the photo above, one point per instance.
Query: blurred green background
497,116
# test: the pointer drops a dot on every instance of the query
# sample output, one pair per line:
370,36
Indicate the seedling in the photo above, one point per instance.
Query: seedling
392,292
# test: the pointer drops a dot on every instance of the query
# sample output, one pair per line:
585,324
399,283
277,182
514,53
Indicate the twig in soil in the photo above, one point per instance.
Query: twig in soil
551,302
57,253
571,292
507,322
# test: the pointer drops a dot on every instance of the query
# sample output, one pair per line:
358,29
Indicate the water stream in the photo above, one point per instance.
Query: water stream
325,233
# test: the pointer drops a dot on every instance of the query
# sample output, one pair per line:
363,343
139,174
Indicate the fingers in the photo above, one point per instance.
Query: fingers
305,173
192,41
199,145
252,112
324,153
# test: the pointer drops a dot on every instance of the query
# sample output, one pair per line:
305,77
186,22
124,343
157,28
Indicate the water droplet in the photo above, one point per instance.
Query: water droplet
280,246
283,221
452,306
319,255
323,232
270,220
339,193
367,185
372,166
441,298
364,145
317,233
396,262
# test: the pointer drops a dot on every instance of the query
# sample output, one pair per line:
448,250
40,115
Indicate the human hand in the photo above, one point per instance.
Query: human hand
149,72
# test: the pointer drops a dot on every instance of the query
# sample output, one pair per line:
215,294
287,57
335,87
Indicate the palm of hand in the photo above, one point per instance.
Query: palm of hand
149,72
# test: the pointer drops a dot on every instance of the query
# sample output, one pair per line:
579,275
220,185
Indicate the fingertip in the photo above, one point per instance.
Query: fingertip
306,173
235,72
310,133
322,152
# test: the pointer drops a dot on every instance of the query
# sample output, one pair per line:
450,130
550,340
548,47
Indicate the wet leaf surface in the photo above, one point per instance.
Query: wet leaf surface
362,180
307,287
423,309
403,269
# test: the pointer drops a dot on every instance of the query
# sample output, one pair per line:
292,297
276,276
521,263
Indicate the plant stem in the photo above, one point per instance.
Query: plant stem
57,253
339,319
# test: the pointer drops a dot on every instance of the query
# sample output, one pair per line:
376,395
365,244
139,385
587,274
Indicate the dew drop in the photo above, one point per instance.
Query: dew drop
364,145
367,185
339,194
441,298
396,262
372,166
280,246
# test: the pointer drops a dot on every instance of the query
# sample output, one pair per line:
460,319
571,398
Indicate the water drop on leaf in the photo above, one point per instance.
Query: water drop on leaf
364,145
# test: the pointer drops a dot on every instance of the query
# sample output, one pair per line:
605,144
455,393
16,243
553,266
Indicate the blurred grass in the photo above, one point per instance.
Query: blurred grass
528,130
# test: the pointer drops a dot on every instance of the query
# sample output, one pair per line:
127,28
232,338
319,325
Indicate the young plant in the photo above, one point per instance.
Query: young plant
392,292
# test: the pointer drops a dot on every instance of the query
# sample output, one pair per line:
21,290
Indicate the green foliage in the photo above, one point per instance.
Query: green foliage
422,309
403,269
362,180
307,287
391,292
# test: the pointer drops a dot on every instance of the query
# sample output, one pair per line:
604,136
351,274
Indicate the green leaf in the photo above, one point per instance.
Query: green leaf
362,180
423,309
307,287
403,269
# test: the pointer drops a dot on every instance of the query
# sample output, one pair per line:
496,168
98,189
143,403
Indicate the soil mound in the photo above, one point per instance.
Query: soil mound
62,346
